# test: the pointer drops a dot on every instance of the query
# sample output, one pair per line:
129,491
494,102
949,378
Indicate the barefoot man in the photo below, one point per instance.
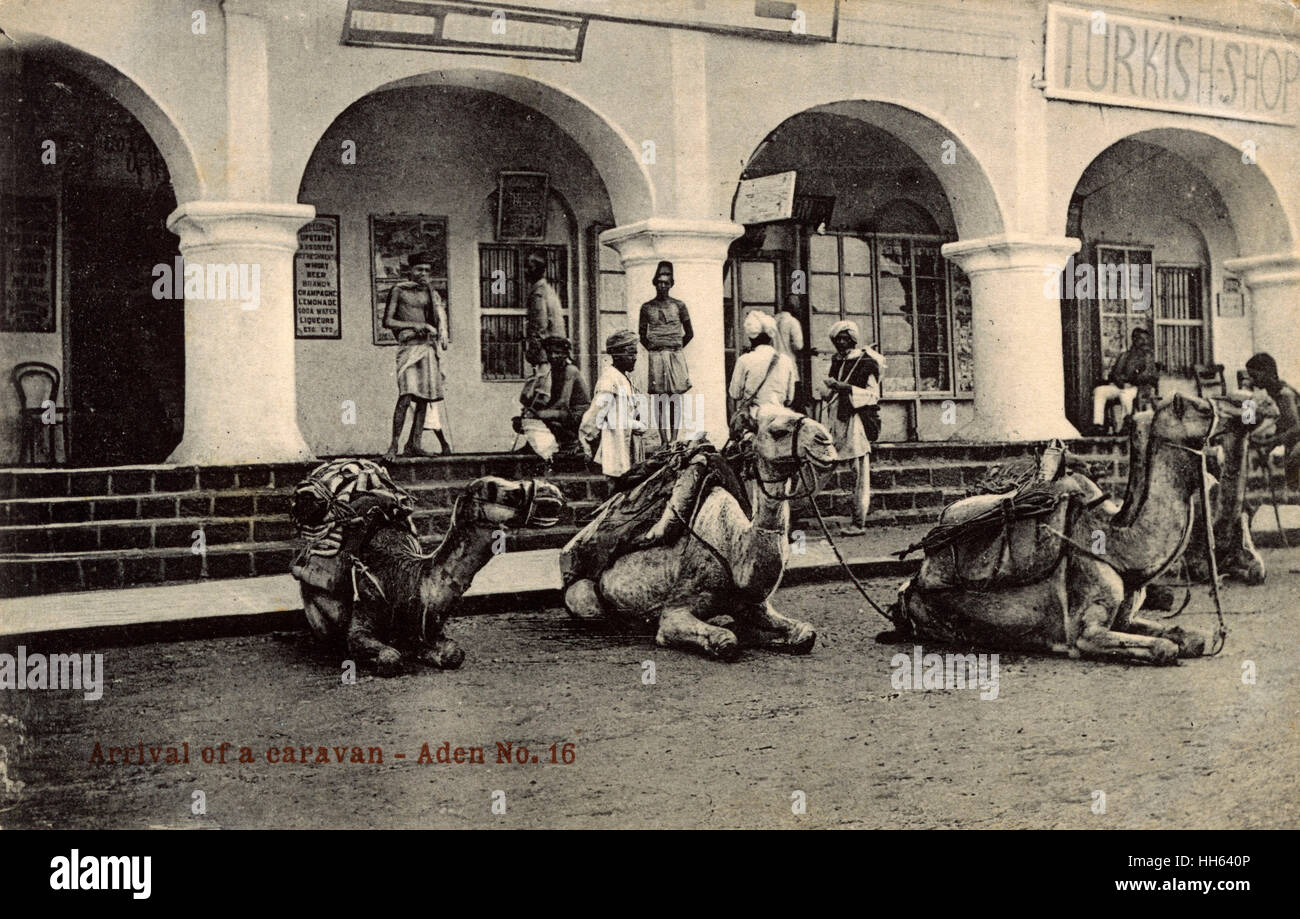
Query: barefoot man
411,304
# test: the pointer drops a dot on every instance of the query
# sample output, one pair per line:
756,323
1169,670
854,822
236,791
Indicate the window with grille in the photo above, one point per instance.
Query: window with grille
503,304
1166,300
904,296
1180,319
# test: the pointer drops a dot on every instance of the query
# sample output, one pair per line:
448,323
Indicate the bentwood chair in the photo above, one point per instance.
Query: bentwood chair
37,384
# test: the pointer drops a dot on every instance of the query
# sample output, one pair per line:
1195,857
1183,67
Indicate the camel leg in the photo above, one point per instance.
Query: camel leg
678,628
1190,644
368,650
442,653
583,602
1097,640
764,627
326,613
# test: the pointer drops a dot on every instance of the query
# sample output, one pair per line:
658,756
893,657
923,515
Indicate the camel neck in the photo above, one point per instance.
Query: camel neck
1162,525
460,556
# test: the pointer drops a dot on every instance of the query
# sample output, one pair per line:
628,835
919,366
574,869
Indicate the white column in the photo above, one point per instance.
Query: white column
240,396
248,108
1017,350
1274,283
698,251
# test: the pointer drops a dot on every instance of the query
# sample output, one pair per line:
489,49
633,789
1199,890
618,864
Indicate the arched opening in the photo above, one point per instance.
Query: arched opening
429,156
862,243
1158,214
87,195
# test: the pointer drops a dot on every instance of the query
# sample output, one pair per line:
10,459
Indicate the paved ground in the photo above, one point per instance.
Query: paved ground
706,744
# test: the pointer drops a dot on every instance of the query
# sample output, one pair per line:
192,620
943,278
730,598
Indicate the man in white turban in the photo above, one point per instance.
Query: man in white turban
761,375
851,395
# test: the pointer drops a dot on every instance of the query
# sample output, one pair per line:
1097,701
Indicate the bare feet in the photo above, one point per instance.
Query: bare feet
390,454
416,451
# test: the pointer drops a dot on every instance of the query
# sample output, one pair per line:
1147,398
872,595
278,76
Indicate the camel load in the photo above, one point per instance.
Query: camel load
368,588
1055,565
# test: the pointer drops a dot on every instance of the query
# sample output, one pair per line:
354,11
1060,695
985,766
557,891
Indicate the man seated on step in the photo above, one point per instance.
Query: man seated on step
1285,431
553,402
1133,379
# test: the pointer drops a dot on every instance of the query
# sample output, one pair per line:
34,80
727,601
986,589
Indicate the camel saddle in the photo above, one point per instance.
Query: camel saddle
1010,538
656,502
336,509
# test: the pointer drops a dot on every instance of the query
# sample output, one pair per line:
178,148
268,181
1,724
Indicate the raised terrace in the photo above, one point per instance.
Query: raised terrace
84,529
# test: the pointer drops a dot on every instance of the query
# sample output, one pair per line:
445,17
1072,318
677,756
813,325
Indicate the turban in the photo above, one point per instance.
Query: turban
846,325
555,341
759,323
620,341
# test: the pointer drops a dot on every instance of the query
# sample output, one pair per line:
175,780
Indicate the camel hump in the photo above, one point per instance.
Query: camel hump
991,541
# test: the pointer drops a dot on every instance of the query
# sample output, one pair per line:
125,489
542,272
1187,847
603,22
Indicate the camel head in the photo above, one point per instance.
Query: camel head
1184,420
786,439
495,502
1241,412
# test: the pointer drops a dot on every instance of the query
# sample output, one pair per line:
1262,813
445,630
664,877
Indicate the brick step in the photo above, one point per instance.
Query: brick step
174,532
96,570
150,480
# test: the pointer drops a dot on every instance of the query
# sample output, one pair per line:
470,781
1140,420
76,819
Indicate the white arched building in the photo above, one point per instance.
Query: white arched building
950,158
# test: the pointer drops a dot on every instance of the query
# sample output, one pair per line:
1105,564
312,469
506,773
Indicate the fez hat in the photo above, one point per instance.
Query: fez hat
665,269
621,341
419,258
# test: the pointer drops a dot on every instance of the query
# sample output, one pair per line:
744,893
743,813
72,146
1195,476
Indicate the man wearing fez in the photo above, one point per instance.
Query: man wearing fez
545,316
553,402
665,328
411,306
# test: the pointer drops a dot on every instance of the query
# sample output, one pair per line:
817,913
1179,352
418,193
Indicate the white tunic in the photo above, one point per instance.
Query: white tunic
789,338
748,378
611,426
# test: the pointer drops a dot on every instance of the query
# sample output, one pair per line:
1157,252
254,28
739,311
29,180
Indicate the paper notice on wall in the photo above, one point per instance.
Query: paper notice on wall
765,199
317,312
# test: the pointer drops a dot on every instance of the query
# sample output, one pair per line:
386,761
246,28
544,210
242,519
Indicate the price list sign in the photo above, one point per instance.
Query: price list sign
317,312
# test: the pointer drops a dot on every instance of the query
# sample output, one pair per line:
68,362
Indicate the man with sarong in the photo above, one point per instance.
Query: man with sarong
417,315
665,330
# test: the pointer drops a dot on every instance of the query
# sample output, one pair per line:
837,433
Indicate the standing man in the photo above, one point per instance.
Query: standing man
553,402
1134,378
1286,430
411,306
788,340
611,428
852,394
762,374
665,327
545,311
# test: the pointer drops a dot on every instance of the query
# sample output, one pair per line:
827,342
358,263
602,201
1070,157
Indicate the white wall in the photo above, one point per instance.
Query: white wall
435,152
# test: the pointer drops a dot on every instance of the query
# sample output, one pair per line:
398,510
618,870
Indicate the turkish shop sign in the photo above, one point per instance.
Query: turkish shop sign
1095,56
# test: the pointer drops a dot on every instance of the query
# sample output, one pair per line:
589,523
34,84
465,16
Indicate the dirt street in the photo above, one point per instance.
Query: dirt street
703,745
